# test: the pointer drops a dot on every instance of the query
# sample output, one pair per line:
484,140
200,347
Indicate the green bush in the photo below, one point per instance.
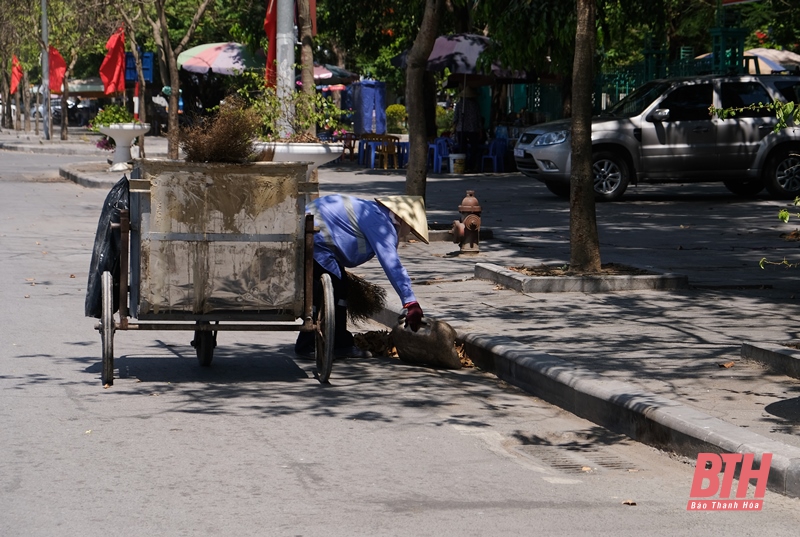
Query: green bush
396,118
444,120
299,111
111,114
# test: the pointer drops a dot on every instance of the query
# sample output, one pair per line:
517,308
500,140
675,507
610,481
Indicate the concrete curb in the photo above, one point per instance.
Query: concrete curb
578,284
57,148
778,358
85,180
623,408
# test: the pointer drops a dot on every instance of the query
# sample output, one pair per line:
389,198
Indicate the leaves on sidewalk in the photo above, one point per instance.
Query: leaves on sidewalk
379,343
606,269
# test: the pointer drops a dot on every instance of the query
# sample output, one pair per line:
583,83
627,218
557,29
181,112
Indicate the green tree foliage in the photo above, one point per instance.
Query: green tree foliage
304,112
247,23
368,33
539,35
170,42
772,24
536,35
788,114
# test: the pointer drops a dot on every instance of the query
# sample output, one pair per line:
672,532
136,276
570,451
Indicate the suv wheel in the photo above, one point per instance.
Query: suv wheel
783,174
746,189
611,175
559,189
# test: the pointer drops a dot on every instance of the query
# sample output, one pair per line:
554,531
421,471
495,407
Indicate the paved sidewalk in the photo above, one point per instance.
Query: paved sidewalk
81,141
646,363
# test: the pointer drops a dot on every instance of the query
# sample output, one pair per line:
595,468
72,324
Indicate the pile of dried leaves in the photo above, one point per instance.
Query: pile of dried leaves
379,343
226,136
793,236
606,269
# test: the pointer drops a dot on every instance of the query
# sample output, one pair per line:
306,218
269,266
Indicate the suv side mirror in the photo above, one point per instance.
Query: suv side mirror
659,114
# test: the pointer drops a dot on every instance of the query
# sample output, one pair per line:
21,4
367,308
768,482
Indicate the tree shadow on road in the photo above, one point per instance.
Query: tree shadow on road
268,381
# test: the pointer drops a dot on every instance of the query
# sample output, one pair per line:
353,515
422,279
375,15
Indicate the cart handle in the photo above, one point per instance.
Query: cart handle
308,258
124,227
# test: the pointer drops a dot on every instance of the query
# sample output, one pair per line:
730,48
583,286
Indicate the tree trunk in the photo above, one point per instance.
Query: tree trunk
137,58
584,242
173,125
170,56
17,121
26,103
417,61
161,35
65,95
5,88
341,57
142,101
65,108
306,52
37,102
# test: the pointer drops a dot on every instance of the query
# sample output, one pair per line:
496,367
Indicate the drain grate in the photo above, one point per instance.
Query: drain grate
576,460
736,287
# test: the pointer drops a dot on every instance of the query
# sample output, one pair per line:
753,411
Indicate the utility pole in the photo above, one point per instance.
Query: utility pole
285,57
45,86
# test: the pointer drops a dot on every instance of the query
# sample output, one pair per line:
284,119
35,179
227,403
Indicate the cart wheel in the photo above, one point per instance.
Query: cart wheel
107,329
324,331
204,343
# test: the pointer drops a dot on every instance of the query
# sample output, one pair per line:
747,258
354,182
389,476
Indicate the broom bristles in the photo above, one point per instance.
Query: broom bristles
364,299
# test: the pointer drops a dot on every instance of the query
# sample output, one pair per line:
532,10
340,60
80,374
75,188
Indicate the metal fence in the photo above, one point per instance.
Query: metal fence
537,103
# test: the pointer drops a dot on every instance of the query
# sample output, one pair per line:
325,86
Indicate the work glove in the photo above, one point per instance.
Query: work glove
413,315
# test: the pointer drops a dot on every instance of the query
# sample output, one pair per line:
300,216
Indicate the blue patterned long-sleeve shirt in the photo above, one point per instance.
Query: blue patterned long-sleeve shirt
353,231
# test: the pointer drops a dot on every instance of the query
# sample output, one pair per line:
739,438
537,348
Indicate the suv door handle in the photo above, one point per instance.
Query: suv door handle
765,127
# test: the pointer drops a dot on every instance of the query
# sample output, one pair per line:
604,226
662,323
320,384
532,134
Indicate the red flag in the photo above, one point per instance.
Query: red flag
57,67
112,70
312,9
16,73
271,29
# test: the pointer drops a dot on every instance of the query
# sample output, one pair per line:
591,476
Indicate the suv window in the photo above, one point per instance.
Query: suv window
635,103
742,94
689,103
790,89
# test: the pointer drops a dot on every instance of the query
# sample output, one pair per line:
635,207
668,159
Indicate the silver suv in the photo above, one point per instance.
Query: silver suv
663,132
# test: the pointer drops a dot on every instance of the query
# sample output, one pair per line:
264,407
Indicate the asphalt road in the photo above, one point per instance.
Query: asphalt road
255,445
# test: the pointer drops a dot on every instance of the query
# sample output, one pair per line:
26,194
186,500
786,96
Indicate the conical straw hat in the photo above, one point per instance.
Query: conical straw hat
411,210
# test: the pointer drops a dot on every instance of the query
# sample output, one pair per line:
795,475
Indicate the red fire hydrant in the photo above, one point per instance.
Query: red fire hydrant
466,232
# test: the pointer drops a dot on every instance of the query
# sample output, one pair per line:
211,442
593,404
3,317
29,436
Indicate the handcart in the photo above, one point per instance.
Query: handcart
217,247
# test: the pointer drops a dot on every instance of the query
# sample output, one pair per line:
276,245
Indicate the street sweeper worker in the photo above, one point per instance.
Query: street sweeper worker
351,232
